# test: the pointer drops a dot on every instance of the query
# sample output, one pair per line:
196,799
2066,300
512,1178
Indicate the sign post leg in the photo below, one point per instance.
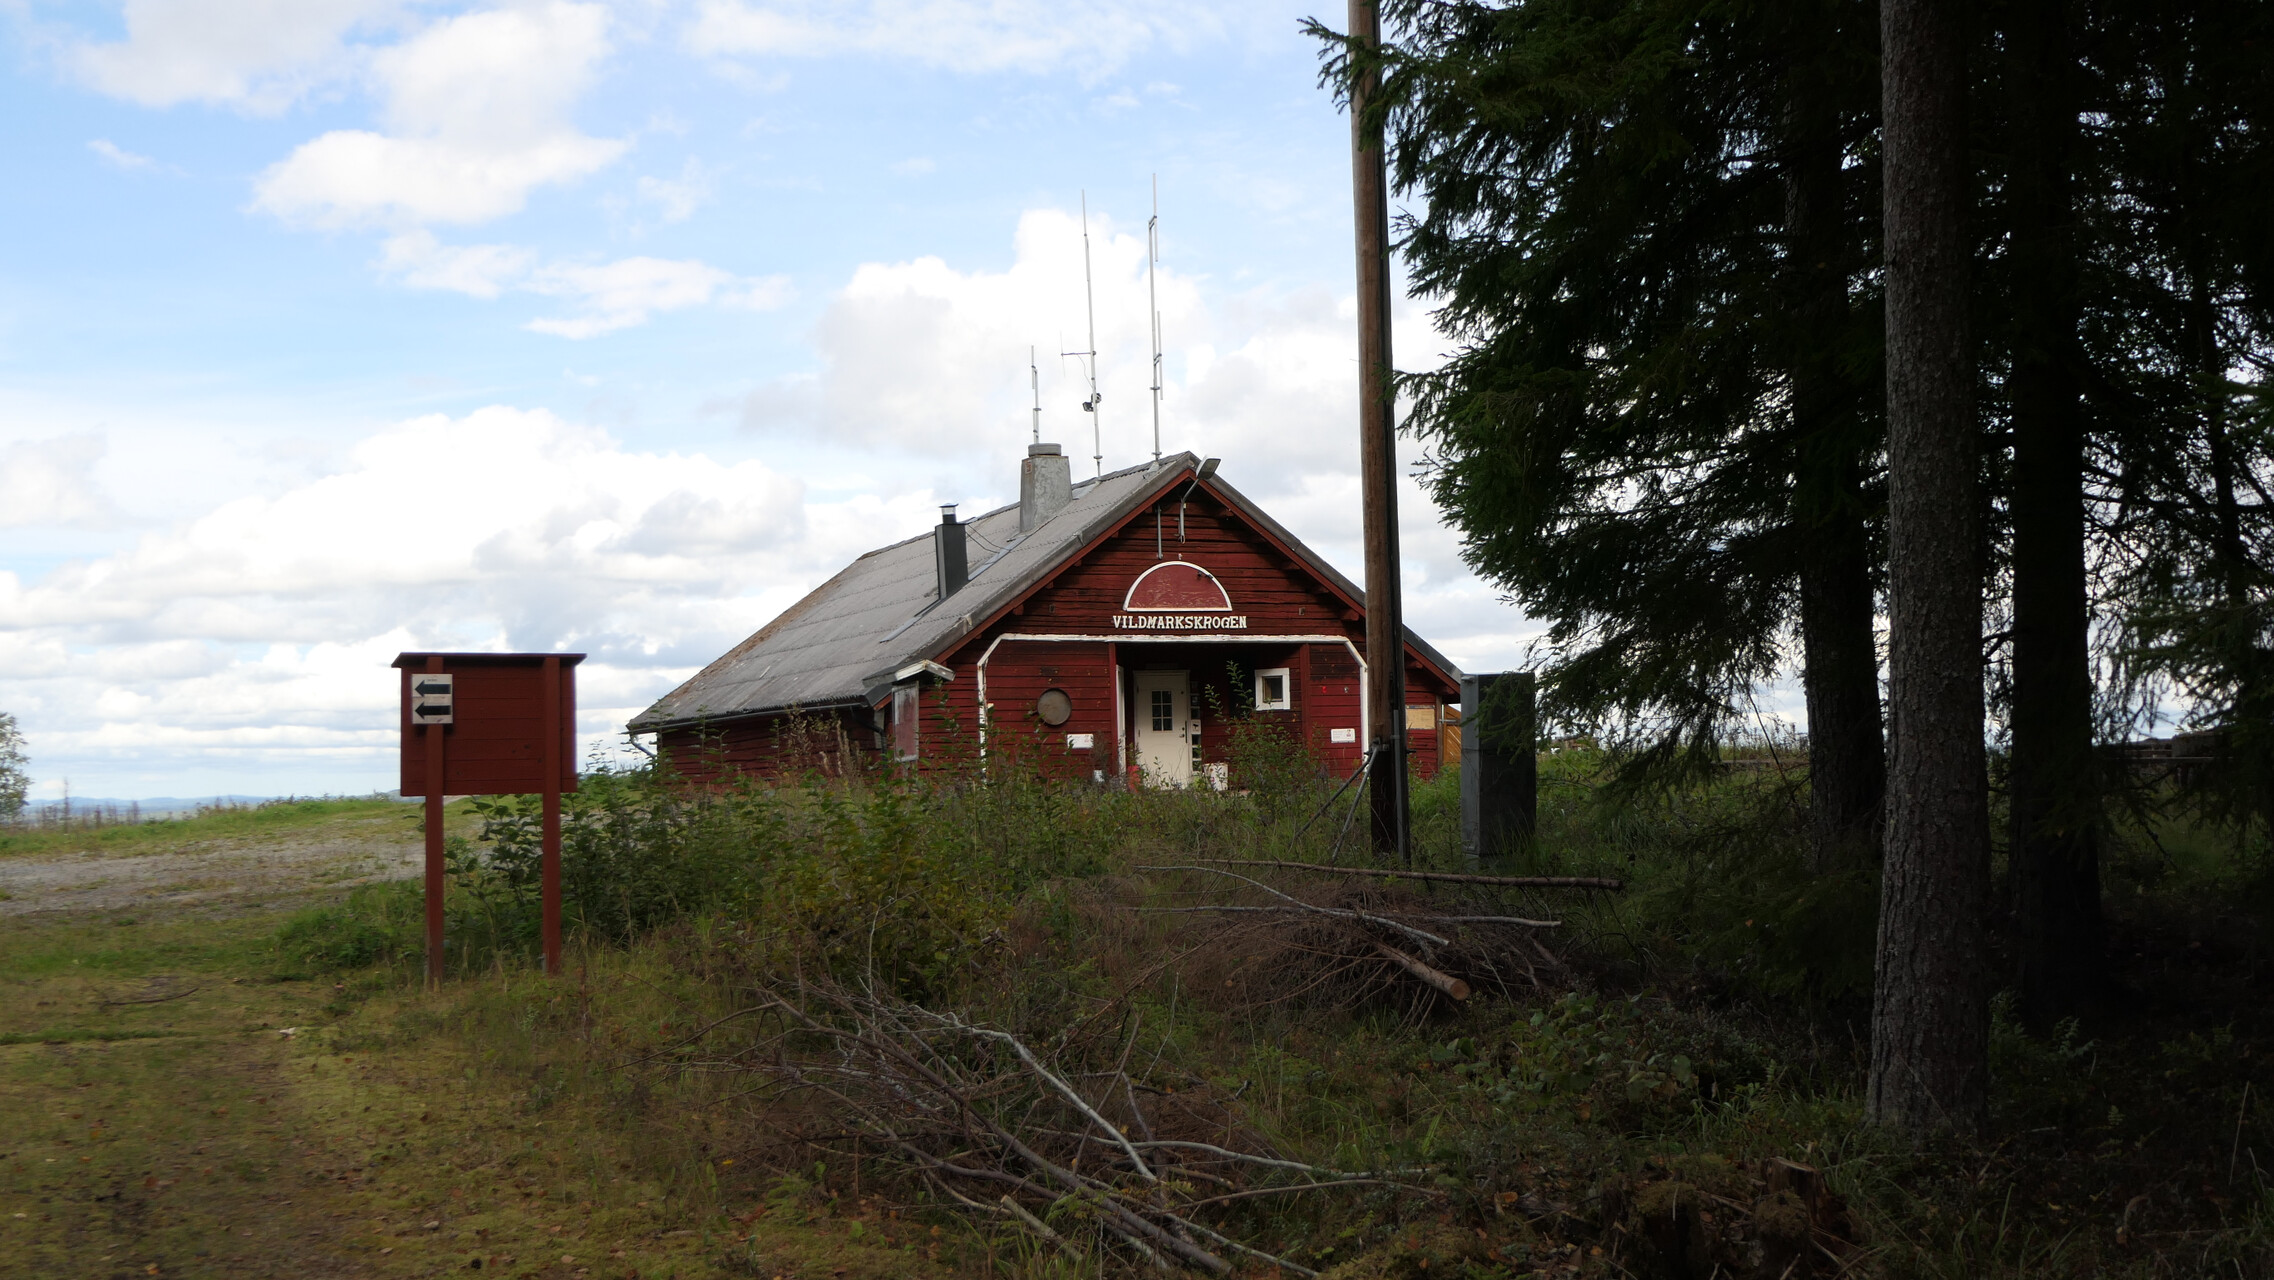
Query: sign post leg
434,798
551,871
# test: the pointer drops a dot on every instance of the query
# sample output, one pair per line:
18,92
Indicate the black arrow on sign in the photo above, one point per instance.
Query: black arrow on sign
430,711
430,688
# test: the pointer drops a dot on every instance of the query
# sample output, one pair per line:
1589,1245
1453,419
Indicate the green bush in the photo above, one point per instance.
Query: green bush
376,924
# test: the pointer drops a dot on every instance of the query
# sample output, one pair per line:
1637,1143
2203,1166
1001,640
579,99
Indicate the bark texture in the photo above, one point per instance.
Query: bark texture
2055,825
1930,1015
1377,458
1847,768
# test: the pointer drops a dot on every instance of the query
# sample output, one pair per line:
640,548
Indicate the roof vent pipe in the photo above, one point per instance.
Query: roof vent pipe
950,553
1046,485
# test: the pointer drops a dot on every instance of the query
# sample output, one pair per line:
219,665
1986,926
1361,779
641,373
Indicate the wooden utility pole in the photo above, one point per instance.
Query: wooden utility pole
1930,1007
1377,450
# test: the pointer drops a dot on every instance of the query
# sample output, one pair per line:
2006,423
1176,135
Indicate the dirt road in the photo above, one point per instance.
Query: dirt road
234,871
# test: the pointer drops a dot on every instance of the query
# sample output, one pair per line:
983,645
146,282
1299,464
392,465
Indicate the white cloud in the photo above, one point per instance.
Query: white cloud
476,270
607,295
676,199
1089,37
476,112
257,635
617,295
51,483
256,55
120,156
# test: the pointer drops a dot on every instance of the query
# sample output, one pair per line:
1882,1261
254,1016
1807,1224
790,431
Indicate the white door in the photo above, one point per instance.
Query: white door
1165,728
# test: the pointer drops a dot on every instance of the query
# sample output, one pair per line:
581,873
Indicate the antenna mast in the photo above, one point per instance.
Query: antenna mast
1089,298
1153,299
1034,383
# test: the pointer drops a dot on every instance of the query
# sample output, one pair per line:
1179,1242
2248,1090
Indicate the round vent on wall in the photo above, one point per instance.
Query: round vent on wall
1054,708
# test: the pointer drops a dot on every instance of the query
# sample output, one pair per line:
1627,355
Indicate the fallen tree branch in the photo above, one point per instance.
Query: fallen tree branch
175,995
1444,982
1422,936
1448,877
1515,920
1296,1165
1253,1192
1063,1089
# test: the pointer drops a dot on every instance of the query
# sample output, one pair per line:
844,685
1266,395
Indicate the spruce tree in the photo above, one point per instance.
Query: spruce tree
1649,227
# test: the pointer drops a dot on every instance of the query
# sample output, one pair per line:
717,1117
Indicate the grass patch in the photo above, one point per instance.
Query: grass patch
393,1133
72,1035
269,821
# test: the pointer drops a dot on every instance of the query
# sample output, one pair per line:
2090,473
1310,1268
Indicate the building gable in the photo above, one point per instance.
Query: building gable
1271,584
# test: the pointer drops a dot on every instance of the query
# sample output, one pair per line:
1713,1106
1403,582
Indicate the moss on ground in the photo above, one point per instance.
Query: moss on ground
161,1121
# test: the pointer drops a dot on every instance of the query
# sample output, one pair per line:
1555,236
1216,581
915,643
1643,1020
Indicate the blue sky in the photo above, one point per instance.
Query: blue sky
330,328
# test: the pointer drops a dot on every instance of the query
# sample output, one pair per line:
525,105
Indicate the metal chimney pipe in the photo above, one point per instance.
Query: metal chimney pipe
950,552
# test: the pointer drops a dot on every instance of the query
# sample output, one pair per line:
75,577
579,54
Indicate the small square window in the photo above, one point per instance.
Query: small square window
1164,710
1274,690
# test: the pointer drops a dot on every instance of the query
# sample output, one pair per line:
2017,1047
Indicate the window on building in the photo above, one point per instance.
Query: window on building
1274,690
907,706
1164,710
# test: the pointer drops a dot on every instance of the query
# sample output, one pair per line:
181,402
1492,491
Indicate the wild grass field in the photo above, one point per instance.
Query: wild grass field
972,1024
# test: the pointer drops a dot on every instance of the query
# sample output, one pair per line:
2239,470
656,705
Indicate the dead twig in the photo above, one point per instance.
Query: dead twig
1514,920
1252,1192
1422,936
1448,877
957,1103
171,995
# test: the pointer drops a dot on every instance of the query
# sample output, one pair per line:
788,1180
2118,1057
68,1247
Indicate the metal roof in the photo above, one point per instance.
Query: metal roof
841,644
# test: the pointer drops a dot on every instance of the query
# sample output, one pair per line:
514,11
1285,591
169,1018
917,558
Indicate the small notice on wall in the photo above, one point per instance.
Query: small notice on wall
1081,742
1339,737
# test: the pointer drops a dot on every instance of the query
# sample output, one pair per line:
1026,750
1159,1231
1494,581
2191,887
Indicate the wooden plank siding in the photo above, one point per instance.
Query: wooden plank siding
1269,587
828,743
496,744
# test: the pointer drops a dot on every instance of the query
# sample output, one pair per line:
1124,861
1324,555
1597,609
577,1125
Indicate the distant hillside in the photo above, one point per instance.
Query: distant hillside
152,806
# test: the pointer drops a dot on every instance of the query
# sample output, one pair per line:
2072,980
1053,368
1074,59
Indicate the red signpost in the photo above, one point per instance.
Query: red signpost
484,724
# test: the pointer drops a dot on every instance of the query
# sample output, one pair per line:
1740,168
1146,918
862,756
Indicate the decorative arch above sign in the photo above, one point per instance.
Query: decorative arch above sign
1177,586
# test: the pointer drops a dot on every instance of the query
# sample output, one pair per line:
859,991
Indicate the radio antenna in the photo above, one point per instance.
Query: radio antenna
1153,299
1034,383
1089,298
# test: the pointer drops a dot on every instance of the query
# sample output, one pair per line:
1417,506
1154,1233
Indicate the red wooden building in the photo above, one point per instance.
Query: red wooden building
1116,628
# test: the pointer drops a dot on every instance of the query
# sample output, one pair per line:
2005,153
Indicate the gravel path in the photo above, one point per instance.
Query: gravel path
209,873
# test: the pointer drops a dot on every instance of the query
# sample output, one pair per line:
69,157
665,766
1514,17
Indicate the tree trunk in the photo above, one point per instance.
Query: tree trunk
1847,763
1847,767
2055,799
1930,1014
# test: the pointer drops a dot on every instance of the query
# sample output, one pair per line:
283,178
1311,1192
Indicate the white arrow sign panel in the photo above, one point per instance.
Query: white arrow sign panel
431,698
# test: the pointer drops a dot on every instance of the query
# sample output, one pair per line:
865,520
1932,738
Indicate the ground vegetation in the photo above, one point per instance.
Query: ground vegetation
978,1023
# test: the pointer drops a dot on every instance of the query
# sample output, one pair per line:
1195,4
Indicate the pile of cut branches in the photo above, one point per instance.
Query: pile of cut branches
1349,935
1058,1139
